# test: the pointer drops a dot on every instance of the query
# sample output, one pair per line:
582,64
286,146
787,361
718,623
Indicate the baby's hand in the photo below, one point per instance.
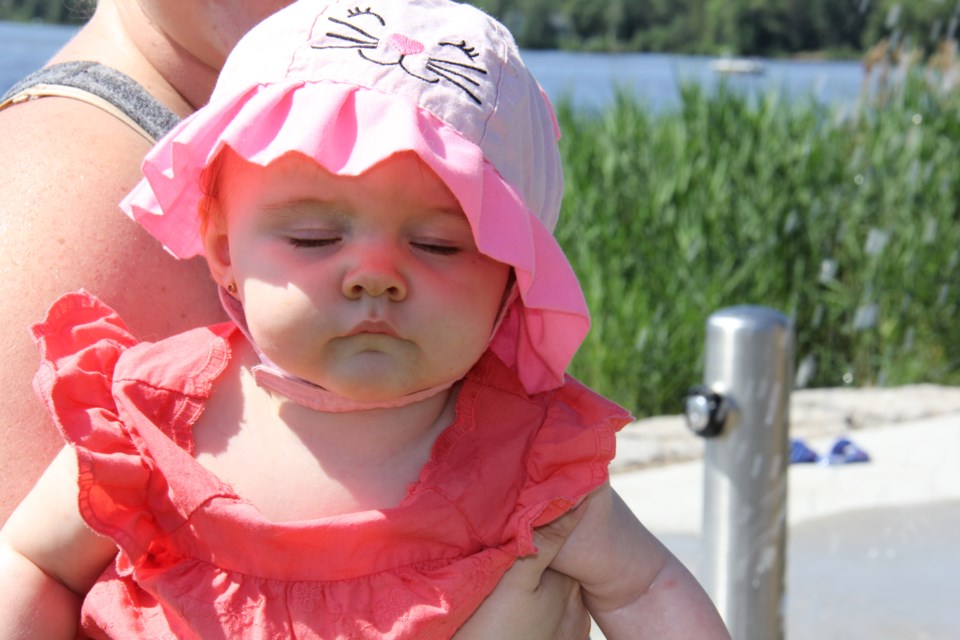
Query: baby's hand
533,602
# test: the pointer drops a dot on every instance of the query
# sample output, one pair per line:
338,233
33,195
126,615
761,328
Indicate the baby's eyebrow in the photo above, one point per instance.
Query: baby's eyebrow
455,212
331,211
449,217
293,209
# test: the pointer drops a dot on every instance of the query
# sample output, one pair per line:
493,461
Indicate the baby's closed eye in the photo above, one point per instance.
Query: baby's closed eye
313,243
437,247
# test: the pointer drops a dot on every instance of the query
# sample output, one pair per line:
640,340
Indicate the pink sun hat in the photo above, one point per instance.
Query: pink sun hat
349,85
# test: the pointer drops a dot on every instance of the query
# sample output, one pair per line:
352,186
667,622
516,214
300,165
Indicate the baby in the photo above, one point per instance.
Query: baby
366,449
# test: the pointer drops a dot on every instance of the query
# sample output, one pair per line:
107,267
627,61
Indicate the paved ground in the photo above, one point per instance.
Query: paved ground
872,549
814,413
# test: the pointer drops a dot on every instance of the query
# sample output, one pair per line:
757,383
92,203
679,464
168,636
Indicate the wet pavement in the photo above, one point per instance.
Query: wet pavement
879,574
873,549
882,574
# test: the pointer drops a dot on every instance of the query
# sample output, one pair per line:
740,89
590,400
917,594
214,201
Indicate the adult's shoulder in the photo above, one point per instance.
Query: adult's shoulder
54,139
66,167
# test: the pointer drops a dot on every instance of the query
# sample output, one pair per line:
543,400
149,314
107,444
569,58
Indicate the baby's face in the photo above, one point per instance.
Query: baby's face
369,286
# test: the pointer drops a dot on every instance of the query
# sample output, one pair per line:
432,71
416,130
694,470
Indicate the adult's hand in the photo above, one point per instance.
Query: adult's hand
533,602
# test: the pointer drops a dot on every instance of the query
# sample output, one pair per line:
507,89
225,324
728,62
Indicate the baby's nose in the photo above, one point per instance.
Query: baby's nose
375,276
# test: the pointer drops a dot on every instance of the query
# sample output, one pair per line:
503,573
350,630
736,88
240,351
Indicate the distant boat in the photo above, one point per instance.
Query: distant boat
743,66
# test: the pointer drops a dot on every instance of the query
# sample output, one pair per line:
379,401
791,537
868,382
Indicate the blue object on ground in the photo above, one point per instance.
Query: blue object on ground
801,453
844,451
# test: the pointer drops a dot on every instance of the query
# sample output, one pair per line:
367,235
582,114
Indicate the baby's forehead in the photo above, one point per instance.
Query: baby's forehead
402,179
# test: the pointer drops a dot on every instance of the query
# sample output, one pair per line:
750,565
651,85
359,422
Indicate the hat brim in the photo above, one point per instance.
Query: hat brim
348,129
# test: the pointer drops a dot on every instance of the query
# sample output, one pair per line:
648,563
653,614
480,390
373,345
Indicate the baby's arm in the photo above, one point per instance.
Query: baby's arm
49,558
633,586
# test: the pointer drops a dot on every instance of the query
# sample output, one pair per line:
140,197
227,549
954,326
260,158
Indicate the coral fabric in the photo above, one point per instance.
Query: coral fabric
197,561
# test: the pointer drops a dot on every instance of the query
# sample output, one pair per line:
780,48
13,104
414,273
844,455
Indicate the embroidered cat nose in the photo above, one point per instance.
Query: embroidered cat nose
404,45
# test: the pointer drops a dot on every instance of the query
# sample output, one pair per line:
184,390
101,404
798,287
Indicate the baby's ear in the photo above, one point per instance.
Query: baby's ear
216,244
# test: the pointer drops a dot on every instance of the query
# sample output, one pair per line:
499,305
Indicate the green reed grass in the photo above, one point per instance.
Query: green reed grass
847,221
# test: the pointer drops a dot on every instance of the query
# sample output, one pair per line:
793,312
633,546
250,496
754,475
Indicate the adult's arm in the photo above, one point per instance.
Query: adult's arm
65,167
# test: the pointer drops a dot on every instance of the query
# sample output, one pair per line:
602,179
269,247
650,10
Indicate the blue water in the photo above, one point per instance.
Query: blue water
26,47
589,79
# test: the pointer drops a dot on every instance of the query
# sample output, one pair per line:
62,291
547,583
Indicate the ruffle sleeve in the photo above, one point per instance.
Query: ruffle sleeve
568,458
81,341
515,461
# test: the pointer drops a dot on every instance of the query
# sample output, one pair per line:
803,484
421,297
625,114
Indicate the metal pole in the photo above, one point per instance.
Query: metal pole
749,364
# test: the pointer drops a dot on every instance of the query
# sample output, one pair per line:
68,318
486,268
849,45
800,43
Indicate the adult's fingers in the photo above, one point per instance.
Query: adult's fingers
527,572
533,602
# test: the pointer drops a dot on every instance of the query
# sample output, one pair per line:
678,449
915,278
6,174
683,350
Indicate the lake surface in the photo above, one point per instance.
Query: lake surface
589,79
26,47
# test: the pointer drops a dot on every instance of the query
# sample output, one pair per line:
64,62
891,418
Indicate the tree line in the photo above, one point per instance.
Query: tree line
55,11
736,27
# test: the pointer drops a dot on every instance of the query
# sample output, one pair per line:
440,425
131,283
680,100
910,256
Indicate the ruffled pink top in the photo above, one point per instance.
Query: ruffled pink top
198,561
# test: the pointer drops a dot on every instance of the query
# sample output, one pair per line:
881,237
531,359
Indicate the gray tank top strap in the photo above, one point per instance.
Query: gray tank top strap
109,84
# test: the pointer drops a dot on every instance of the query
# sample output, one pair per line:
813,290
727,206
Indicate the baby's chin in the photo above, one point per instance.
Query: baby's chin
365,396
367,392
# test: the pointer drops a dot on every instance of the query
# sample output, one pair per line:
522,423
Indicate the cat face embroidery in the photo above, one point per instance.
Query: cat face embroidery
366,32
